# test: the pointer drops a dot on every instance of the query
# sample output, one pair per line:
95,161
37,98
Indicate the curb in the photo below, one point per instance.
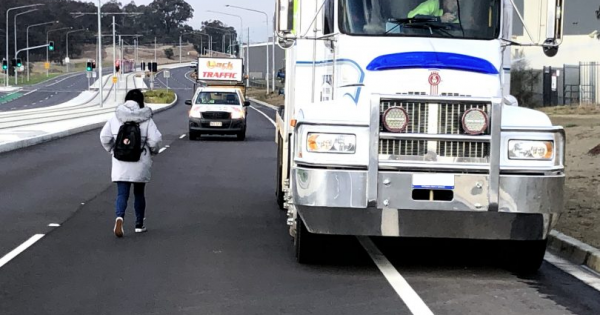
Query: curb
263,103
574,251
65,133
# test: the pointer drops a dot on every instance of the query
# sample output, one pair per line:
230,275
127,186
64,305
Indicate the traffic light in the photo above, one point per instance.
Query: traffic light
13,62
143,66
19,64
4,64
51,46
154,67
93,64
89,66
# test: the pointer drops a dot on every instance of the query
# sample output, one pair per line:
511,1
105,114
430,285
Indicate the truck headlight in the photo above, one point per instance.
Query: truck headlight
331,143
237,115
530,150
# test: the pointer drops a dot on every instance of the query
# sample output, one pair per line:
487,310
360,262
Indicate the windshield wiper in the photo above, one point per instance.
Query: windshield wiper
430,22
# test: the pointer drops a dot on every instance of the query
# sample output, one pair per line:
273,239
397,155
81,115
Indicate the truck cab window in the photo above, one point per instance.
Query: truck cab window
469,19
329,17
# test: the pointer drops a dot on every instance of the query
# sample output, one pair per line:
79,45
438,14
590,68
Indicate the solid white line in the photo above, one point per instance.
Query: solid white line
29,92
162,150
269,118
54,224
182,136
404,290
15,252
588,277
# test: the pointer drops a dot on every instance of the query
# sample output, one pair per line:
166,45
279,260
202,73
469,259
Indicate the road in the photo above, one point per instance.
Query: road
217,243
52,92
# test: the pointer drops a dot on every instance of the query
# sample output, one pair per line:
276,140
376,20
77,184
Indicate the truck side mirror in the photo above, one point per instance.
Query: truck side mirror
246,103
284,15
188,102
554,29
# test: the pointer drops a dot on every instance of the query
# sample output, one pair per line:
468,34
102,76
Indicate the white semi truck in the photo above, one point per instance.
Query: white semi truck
398,121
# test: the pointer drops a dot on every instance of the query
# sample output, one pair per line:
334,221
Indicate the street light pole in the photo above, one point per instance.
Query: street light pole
266,41
101,84
20,13
7,12
180,48
28,27
114,56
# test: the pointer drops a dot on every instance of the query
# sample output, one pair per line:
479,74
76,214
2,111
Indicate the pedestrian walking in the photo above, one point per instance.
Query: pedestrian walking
132,138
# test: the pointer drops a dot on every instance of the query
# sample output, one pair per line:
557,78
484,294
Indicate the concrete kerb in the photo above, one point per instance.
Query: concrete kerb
574,251
65,133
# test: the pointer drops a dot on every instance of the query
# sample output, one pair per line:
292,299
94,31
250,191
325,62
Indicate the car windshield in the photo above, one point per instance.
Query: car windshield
470,19
221,98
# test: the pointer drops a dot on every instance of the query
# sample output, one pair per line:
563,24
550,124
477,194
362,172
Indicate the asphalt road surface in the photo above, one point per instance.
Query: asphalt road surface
217,243
52,92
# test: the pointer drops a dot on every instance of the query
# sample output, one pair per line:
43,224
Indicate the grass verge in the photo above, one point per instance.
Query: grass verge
159,96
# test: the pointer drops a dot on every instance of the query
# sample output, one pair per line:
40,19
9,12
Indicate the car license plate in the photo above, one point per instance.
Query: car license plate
216,124
433,181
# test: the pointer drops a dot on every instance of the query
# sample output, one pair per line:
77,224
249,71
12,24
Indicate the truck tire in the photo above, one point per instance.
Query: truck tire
279,178
527,256
308,245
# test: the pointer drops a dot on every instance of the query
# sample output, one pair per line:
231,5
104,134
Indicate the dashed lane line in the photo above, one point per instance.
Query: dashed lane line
412,300
15,252
182,136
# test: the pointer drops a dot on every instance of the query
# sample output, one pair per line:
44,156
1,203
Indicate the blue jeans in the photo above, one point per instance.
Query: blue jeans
140,200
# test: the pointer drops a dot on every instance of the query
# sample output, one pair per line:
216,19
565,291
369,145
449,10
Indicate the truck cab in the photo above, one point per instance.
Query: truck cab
398,122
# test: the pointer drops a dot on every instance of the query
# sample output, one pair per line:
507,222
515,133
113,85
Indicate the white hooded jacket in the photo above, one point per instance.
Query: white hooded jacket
136,172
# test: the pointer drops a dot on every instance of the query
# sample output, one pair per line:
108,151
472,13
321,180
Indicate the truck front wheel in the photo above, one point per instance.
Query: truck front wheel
308,245
279,180
526,256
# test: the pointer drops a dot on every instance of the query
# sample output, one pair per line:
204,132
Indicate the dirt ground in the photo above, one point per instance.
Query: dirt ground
582,209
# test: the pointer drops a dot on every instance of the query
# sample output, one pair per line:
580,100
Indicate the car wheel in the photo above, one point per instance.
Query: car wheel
193,135
241,136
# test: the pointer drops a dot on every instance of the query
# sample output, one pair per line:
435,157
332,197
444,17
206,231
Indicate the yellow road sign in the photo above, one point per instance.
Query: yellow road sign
46,65
114,79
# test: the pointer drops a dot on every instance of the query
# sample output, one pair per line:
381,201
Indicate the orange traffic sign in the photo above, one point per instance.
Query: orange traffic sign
46,65
114,79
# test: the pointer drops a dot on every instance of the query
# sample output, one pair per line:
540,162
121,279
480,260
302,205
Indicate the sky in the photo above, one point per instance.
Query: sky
253,20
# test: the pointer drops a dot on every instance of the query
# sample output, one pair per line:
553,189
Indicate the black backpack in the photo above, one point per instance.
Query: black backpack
129,146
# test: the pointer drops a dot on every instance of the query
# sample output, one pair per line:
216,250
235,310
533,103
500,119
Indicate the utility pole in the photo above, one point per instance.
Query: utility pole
99,60
114,57
180,48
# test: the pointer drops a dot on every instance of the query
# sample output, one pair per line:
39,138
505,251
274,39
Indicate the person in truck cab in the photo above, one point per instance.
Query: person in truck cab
447,10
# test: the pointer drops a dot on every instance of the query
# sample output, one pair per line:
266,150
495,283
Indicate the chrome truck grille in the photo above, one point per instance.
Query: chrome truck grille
426,118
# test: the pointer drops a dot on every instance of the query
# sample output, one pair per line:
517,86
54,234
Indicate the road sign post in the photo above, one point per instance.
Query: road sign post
167,75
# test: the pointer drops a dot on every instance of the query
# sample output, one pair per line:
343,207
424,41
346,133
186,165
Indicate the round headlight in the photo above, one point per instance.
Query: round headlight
475,121
395,119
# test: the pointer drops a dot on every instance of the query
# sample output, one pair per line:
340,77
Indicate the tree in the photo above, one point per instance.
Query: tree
172,13
523,80
169,53
220,32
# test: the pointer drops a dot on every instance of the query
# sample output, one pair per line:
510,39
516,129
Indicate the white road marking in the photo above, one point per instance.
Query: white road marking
269,118
589,277
182,136
29,92
54,224
162,150
404,290
15,252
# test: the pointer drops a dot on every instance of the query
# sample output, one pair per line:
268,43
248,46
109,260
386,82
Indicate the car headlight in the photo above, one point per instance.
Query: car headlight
530,150
237,115
331,143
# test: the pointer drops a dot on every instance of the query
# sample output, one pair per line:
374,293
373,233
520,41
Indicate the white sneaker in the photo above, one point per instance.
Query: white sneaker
118,227
140,229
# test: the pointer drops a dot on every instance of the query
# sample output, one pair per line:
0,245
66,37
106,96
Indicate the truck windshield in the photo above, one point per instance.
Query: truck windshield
468,19
220,98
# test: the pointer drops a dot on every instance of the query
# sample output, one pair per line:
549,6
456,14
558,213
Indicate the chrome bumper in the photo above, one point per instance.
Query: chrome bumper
336,202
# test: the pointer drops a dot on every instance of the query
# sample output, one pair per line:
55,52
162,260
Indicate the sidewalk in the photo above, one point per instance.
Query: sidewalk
23,128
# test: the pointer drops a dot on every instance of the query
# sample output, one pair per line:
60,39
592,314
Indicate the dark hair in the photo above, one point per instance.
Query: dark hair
135,95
